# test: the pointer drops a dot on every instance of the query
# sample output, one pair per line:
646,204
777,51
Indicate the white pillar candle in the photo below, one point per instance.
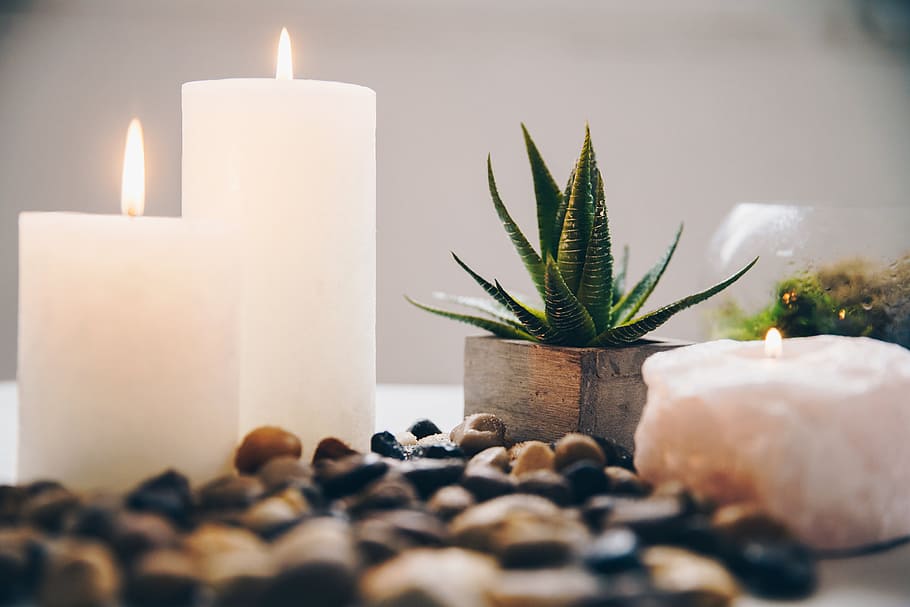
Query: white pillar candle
292,164
814,430
127,345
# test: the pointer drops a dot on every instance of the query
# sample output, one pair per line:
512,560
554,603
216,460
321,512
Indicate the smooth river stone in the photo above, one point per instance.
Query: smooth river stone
817,438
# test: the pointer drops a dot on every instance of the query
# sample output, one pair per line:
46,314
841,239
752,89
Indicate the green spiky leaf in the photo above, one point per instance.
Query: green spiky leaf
579,220
527,253
596,289
631,303
533,324
484,306
548,195
491,289
565,313
561,213
496,328
619,279
634,330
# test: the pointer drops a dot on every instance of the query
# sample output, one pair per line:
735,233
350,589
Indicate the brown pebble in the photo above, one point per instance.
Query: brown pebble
496,457
702,581
546,483
478,432
276,512
558,587
230,492
49,509
574,447
434,439
136,533
623,482
12,498
532,456
387,493
165,578
449,577
487,482
285,471
263,444
332,448
79,574
450,501
745,522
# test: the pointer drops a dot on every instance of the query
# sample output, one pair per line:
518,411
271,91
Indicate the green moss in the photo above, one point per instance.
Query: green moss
852,297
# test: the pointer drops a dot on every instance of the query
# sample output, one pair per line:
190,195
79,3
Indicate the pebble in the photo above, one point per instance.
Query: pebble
442,451
703,581
586,480
282,472
387,493
531,542
434,439
496,457
79,574
616,454
429,475
385,444
623,482
486,482
450,501
12,498
563,587
274,515
265,443
349,475
48,510
745,522
387,534
450,577
230,492
615,550
651,518
486,526
234,563
165,578
95,519
22,553
317,560
776,569
532,456
478,432
574,447
332,448
167,494
406,439
548,484
136,533
423,428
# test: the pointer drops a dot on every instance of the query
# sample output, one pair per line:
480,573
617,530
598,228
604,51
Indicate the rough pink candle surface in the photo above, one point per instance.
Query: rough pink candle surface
819,437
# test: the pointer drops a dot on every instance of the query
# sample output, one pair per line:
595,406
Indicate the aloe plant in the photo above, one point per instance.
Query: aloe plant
581,286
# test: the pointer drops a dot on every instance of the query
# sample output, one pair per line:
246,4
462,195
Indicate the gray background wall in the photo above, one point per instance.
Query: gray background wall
693,106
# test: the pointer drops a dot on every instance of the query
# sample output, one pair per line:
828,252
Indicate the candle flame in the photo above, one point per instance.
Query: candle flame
132,192
285,69
774,343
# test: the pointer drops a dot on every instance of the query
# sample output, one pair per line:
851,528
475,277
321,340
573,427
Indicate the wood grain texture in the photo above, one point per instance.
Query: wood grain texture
542,392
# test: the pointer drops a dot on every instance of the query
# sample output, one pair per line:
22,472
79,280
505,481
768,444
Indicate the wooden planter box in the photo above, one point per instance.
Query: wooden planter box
542,392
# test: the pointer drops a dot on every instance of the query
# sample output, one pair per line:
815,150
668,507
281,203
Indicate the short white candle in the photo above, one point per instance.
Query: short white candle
812,429
127,344
292,164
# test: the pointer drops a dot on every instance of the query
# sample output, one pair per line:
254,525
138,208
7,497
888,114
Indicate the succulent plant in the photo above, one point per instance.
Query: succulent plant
585,302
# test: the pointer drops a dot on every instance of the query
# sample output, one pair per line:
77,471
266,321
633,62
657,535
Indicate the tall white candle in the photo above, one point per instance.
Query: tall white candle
127,344
292,164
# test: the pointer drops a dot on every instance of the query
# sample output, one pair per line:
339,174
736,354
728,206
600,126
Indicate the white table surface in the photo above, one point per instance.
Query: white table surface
879,580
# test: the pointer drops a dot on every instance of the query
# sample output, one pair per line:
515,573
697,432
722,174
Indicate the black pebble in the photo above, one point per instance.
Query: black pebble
167,494
424,427
428,476
385,444
781,570
349,475
487,483
586,479
616,454
615,550
442,451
